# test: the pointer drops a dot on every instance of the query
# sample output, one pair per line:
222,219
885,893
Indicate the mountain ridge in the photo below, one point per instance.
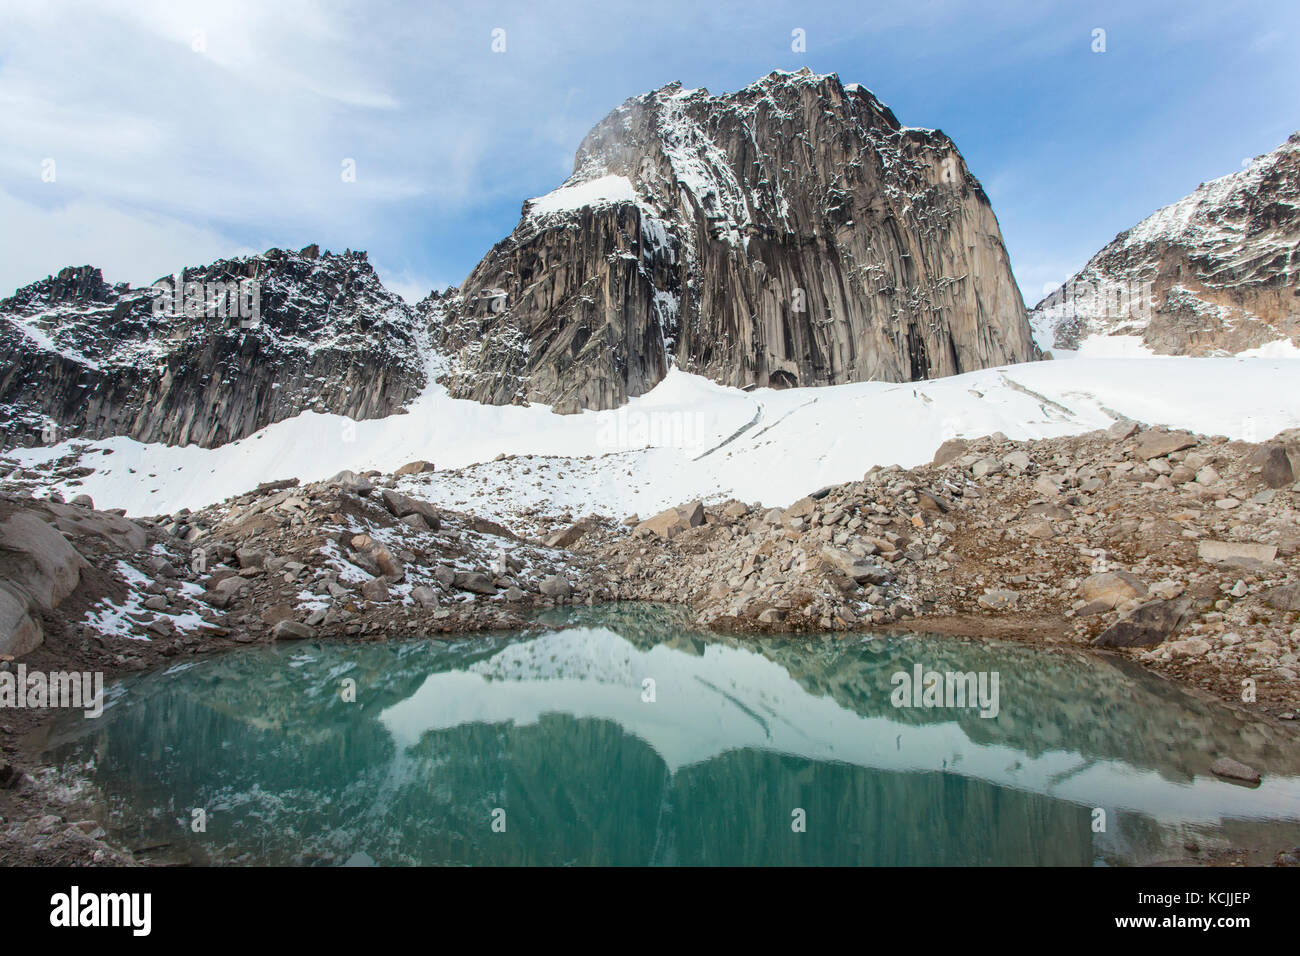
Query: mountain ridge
790,233
90,360
1216,272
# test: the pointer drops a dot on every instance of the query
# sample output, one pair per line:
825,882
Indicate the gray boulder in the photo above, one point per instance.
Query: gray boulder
1240,553
402,505
1148,625
35,557
1112,588
424,596
1124,428
351,481
1156,444
20,630
292,631
1274,464
853,567
418,467
950,451
1284,598
556,586
376,589
475,581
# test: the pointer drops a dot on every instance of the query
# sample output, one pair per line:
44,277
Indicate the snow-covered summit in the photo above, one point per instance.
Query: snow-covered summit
1217,272
790,233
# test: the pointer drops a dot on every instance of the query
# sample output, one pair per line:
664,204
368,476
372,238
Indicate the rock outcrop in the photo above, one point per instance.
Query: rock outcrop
1216,272
42,562
1170,546
793,233
87,359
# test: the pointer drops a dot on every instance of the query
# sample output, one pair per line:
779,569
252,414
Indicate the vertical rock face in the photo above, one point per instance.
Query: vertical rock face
99,360
1216,272
792,233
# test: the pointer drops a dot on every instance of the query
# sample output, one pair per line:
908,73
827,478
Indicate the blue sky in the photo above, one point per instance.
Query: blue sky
182,132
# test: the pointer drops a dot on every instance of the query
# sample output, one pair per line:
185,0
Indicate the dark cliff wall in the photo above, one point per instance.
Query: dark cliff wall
792,233
97,360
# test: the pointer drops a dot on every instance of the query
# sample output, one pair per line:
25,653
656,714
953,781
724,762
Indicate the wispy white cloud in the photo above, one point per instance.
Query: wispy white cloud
200,129
135,247
225,120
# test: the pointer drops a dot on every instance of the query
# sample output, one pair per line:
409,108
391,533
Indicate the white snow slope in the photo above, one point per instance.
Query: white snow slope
690,438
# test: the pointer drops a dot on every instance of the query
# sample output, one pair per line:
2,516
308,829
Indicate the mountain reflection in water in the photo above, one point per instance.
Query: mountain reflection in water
553,727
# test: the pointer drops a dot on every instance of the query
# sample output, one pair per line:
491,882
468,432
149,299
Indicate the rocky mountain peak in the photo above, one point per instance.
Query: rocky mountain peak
1216,272
208,355
790,233
664,139
74,285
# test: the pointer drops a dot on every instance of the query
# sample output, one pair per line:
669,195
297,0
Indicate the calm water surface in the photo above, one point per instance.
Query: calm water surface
550,733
